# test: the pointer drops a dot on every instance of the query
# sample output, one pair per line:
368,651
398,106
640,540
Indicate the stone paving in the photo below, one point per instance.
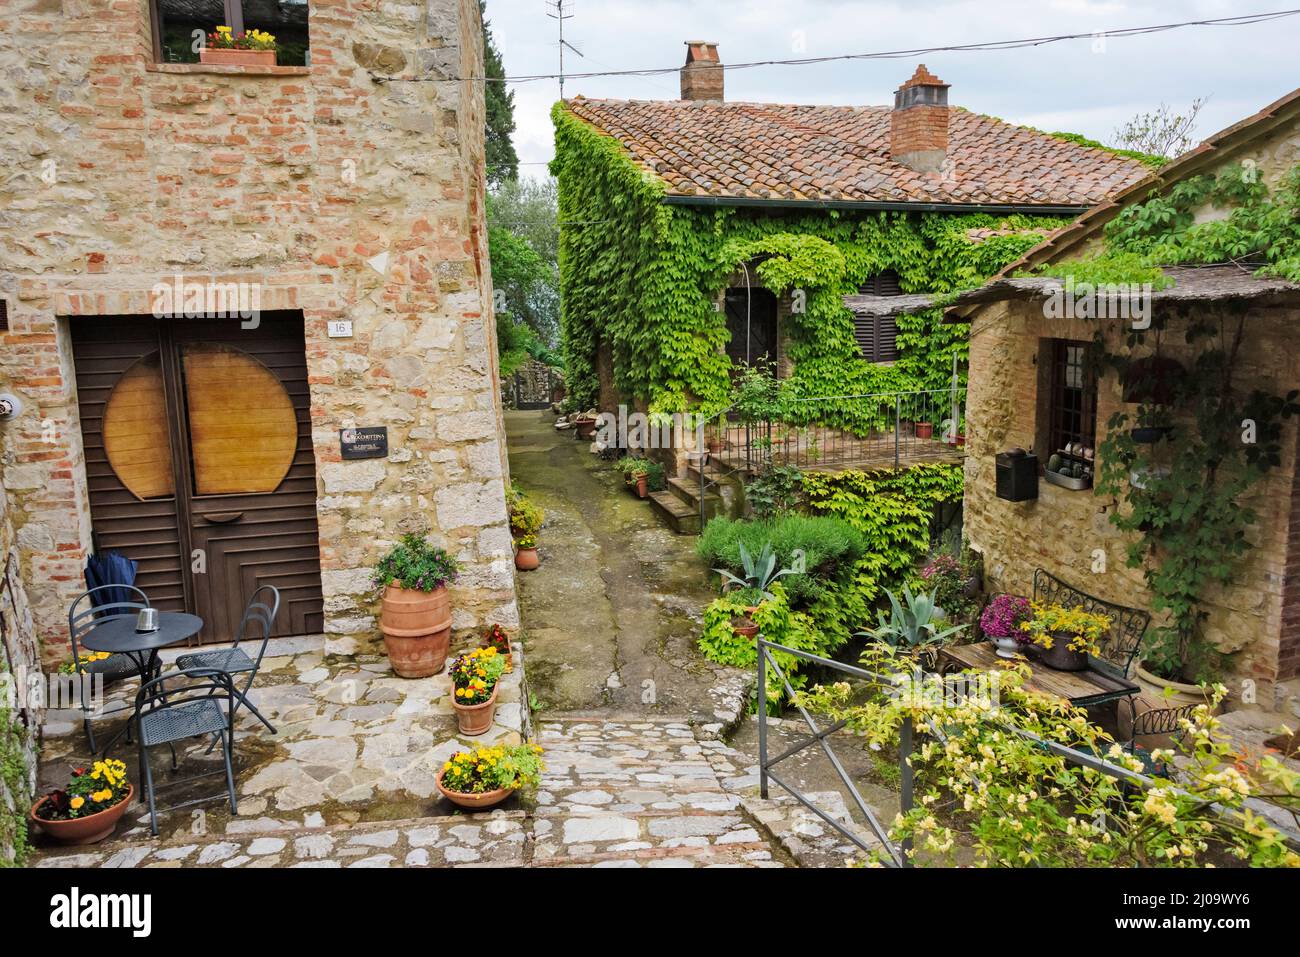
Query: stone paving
615,794
612,616
354,743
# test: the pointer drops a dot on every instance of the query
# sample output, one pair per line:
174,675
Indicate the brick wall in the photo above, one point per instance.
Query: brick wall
123,173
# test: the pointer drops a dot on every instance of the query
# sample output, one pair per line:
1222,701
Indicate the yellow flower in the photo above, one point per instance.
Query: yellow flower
76,802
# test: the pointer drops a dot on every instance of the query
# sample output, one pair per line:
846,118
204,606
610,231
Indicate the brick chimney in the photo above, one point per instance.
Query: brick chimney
702,74
918,124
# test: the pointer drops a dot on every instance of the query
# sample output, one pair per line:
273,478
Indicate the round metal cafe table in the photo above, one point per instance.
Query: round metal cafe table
118,636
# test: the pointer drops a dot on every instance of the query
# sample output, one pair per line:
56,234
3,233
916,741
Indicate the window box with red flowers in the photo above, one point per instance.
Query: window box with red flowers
251,48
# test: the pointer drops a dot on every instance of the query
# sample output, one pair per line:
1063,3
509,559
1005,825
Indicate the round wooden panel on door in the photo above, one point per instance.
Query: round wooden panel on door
135,431
243,429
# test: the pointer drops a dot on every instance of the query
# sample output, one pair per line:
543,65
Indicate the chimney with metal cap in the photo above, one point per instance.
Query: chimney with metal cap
918,124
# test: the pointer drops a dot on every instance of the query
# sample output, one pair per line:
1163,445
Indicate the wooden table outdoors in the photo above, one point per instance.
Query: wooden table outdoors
1082,689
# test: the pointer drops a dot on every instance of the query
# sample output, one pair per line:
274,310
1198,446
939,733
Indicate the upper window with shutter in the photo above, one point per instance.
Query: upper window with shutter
877,337
886,283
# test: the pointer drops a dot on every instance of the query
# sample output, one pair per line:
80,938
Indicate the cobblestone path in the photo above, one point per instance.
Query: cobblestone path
615,794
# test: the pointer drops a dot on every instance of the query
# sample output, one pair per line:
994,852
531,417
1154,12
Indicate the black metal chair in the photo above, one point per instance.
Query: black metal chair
83,617
235,660
1155,721
180,705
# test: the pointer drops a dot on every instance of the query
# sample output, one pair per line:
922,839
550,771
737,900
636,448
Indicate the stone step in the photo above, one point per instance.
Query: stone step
689,493
495,837
591,838
681,518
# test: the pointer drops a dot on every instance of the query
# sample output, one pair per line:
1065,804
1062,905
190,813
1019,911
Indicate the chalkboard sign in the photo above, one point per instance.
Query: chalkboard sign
364,443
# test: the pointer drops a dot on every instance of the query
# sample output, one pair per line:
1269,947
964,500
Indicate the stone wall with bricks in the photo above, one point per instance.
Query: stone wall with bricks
350,189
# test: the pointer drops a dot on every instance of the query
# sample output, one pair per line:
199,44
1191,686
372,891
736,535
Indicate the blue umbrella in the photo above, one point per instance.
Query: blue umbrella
111,568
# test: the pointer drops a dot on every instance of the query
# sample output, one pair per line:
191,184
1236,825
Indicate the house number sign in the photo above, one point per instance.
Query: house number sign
370,442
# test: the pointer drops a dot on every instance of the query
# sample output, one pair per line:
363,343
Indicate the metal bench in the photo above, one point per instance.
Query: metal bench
1128,626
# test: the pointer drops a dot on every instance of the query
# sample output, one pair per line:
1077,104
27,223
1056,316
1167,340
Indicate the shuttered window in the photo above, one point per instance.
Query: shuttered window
877,337
887,283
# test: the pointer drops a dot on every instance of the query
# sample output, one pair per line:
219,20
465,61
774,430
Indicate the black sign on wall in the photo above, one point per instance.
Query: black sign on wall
364,442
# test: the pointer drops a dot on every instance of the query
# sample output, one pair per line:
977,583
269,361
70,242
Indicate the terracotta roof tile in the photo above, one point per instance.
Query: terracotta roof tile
841,153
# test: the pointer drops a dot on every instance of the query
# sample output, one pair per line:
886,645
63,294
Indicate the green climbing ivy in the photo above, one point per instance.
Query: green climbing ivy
13,771
642,277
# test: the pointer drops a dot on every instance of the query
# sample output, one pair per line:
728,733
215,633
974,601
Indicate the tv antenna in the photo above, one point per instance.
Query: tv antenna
559,11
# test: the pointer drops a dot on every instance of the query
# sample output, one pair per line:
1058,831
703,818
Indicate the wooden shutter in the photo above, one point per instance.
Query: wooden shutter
877,337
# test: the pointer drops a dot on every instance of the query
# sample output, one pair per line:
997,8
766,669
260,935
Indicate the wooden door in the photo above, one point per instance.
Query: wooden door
199,457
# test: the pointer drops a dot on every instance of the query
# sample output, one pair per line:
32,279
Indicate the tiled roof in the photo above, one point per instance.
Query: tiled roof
841,154
1189,284
1211,152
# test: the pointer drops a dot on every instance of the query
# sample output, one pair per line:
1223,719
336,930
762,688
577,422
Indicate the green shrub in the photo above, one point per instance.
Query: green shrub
776,623
773,491
817,547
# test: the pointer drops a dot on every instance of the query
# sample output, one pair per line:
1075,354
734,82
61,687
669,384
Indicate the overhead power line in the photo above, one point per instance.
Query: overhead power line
984,46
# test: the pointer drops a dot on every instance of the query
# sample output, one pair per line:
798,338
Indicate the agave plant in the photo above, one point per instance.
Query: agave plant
912,622
759,573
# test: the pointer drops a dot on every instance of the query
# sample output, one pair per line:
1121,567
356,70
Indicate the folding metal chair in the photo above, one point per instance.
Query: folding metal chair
180,705
259,614
83,617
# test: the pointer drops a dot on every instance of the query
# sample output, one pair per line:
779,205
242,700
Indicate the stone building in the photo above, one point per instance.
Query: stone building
1028,390
211,275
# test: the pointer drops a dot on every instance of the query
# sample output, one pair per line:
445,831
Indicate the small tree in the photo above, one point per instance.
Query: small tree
1161,132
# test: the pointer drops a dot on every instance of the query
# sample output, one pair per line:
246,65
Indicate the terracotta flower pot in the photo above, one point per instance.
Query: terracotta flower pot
924,430
474,802
526,559
475,719
586,427
222,57
417,630
642,484
1153,689
1060,657
83,830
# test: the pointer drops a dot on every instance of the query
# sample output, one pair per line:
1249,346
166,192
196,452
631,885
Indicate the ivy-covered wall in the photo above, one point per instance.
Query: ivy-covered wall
642,277
19,661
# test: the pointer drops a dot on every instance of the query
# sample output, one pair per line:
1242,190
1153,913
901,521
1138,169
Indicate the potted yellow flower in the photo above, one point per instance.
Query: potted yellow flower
487,776
88,809
474,678
251,48
1066,635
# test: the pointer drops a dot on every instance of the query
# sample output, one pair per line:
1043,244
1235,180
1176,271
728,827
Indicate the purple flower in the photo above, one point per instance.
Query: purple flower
1003,615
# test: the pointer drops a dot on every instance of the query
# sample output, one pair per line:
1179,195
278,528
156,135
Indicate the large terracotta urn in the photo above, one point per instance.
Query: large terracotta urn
417,630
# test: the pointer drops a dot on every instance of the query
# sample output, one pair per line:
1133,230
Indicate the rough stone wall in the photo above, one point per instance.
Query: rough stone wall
122,173
1062,528
20,712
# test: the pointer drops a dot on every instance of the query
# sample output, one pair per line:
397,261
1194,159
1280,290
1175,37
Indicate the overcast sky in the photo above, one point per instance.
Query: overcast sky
1061,86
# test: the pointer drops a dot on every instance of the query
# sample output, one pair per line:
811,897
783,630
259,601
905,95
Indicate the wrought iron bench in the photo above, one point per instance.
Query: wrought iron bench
1119,647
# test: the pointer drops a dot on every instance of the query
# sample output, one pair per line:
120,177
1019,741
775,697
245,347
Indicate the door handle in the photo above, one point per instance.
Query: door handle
221,518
